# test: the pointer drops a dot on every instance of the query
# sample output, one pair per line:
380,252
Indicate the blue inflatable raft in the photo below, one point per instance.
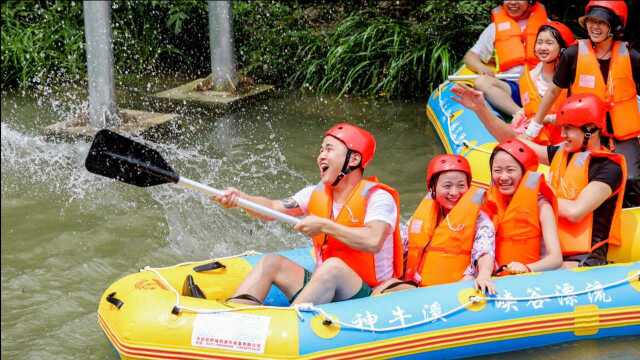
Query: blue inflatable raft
152,315
146,316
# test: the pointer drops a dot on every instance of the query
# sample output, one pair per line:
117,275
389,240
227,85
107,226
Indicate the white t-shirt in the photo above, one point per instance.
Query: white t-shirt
536,76
381,207
486,44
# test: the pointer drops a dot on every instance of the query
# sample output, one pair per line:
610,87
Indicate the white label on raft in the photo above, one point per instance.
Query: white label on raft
235,332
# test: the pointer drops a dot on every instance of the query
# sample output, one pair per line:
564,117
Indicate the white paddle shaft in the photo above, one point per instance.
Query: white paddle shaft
244,203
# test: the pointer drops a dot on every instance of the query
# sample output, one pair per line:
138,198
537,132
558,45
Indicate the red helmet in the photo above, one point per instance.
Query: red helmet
447,162
355,139
565,32
583,109
618,7
520,151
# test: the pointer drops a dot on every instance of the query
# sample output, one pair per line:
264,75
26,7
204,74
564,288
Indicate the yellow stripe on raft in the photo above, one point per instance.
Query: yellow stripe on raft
630,250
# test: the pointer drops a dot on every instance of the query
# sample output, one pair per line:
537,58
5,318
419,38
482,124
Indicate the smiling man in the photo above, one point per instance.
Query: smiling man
512,35
352,221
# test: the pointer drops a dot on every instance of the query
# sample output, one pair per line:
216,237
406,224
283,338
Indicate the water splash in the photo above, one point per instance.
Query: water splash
30,160
233,154
196,224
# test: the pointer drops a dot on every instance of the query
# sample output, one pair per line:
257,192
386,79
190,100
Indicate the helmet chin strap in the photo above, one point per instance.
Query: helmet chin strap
346,169
588,132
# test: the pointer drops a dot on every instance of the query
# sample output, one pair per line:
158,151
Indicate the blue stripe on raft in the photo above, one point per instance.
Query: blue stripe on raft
464,127
525,343
301,256
385,310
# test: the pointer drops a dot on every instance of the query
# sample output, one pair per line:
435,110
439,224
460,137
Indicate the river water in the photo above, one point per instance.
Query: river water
67,234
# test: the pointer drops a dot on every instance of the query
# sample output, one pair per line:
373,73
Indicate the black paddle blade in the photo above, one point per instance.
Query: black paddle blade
118,157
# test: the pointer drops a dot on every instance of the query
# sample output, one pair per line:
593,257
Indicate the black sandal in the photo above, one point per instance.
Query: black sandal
246,297
502,270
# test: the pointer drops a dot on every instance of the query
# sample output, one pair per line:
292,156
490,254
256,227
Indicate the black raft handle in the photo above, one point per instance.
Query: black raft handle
214,265
111,298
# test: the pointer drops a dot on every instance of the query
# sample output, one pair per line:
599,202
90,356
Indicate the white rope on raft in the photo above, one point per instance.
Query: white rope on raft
472,300
476,148
448,114
246,253
204,311
308,307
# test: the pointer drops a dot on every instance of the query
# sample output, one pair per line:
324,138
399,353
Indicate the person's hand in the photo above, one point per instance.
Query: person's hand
515,267
468,97
311,225
484,284
229,198
519,122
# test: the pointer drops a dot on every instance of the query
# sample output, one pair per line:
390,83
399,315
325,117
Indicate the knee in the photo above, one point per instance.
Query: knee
483,82
330,269
270,263
334,264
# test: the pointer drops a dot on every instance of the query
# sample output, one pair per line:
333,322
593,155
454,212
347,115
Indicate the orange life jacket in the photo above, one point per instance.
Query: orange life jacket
568,178
619,90
439,253
352,215
517,222
531,99
513,46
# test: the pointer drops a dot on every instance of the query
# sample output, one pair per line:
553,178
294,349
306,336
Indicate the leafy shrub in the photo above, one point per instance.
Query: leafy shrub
371,55
346,47
374,54
37,40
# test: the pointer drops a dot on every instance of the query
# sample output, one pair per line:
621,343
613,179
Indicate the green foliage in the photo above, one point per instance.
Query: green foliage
368,55
269,35
376,55
34,38
154,36
364,48
456,23
46,38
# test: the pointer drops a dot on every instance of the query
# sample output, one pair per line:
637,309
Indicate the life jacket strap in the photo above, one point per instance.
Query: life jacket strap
599,244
